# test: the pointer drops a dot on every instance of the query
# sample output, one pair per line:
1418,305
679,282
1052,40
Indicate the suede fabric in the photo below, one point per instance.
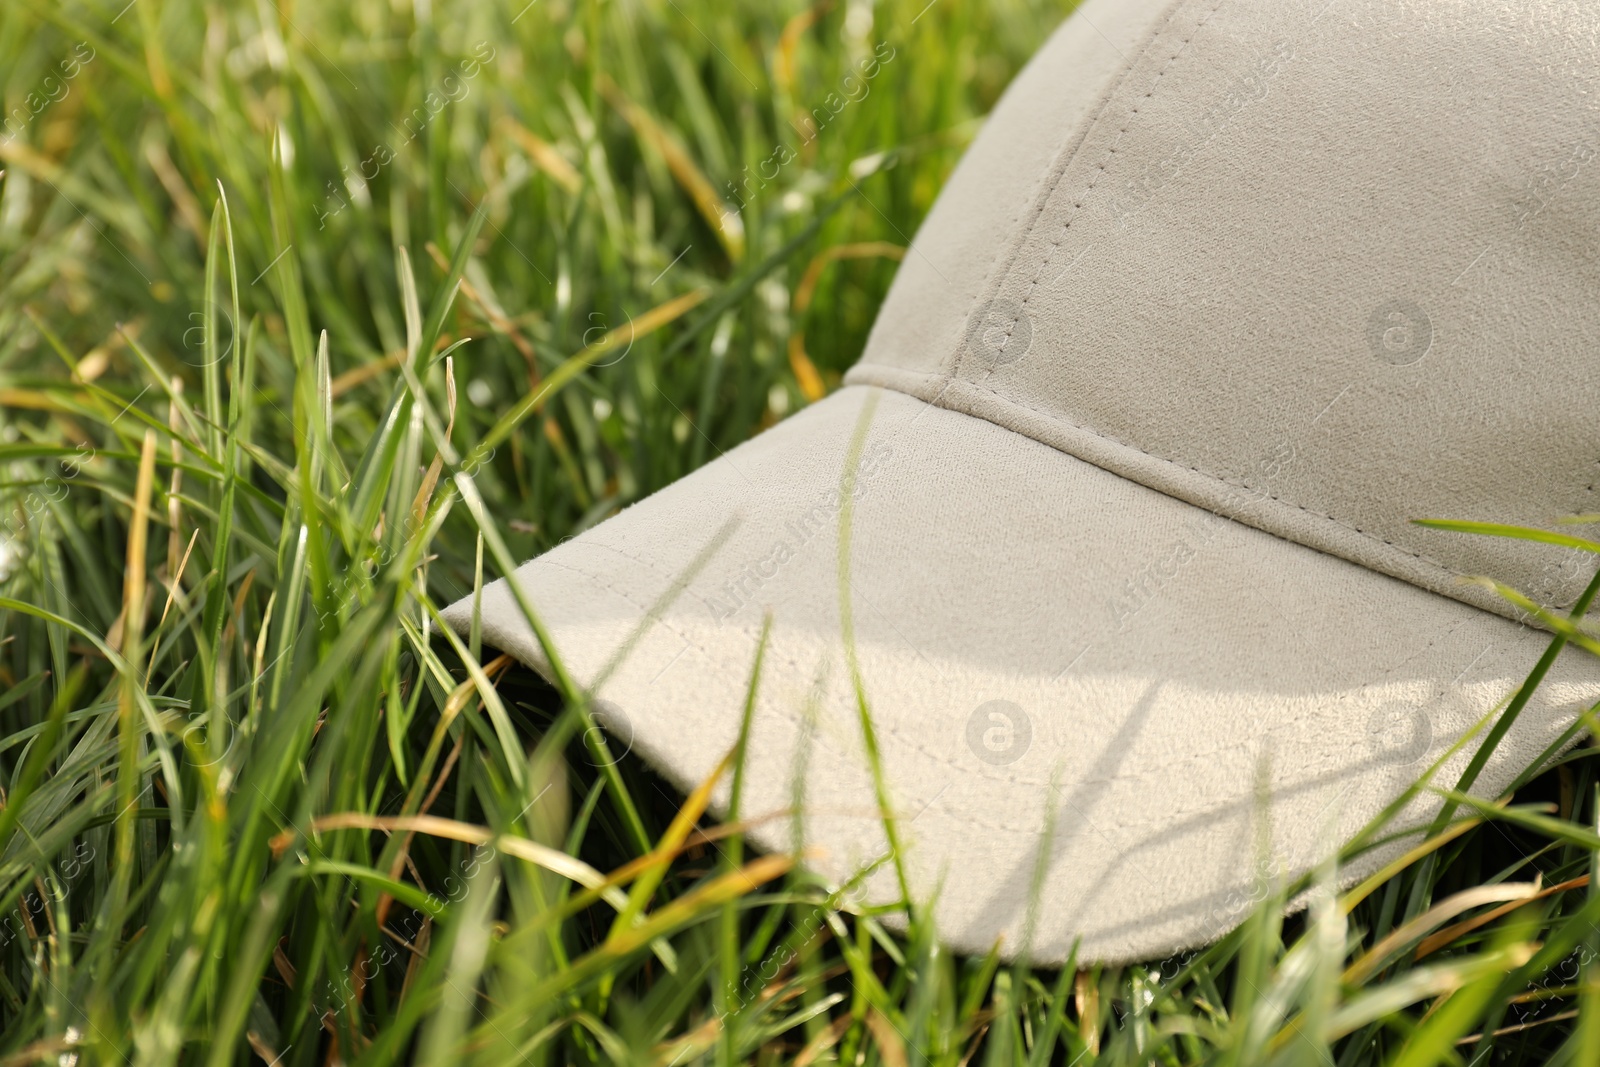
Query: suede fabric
1321,267
1225,293
1022,617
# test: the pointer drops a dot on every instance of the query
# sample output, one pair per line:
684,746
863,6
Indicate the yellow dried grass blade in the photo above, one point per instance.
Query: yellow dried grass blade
721,217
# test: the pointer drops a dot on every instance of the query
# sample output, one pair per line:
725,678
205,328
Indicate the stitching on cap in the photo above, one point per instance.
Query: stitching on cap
1214,477
980,383
1033,201
1100,167
949,380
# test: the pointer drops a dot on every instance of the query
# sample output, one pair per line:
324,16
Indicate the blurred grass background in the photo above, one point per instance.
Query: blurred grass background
631,156
313,316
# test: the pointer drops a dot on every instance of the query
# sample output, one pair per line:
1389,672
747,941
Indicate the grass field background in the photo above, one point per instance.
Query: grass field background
312,316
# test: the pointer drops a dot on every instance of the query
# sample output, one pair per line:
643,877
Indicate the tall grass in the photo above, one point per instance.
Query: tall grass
315,317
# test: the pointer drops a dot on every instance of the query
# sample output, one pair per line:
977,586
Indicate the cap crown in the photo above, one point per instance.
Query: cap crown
1323,267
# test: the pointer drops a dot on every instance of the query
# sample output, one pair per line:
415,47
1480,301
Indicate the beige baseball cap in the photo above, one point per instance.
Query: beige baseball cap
1224,295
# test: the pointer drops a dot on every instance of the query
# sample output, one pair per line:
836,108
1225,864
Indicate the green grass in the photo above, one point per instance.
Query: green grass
255,434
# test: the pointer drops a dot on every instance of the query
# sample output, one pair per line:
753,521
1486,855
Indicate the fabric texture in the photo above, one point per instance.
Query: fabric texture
1021,616
1225,293
1321,267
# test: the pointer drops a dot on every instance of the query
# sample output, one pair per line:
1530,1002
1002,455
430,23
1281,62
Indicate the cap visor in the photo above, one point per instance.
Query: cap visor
1066,671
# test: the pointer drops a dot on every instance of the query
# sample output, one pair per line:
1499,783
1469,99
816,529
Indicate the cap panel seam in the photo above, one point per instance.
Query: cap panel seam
1064,164
1033,201
1212,475
937,394
962,372
1057,417
954,377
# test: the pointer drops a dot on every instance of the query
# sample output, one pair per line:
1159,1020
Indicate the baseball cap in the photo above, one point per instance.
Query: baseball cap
1112,519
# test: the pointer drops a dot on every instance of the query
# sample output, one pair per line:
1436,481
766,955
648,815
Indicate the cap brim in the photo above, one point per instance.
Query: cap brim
1055,659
